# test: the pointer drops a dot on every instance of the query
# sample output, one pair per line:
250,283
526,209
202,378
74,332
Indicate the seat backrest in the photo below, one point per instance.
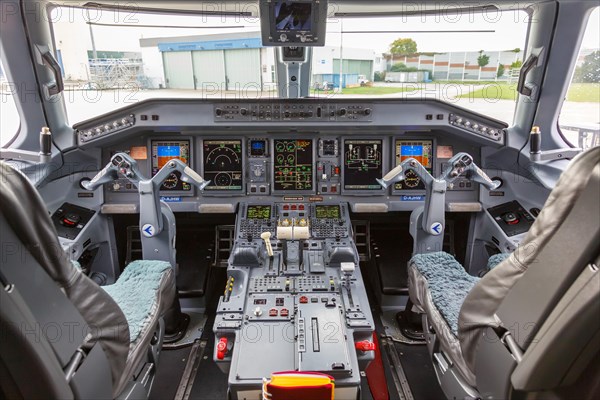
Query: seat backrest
520,293
34,263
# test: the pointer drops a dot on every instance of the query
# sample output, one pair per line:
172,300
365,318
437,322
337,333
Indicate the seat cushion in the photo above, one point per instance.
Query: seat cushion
448,283
496,259
137,292
438,285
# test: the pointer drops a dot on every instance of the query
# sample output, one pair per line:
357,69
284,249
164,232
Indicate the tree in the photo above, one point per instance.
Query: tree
589,71
401,67
403,47
483,59
379,76
516,64
500,70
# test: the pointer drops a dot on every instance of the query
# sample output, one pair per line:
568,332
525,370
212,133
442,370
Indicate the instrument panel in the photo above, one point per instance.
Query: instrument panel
310,149
164,150
293,165
297,164
223,164
363,164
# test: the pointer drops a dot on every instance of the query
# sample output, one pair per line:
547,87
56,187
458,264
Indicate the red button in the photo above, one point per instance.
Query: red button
365,345
301,207
333,189
294,206
286,207
273,312
222,348
284,312
303,299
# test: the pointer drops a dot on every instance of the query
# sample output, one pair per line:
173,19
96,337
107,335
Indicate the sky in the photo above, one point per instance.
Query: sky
502,31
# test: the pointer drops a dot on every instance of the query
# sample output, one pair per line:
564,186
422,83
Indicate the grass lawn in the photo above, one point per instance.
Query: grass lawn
372,90
578,92
589,92
494,91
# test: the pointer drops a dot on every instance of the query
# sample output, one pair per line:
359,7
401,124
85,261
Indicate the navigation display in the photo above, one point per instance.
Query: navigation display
332,212
223,164
362,164
258,212
165,150
293,16
293,165
420,150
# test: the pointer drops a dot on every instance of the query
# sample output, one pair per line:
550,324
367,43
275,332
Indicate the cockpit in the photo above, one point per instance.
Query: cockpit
300,199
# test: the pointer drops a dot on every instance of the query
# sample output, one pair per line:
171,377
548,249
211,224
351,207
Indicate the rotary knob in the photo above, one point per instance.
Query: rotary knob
285,222
302,222
257,311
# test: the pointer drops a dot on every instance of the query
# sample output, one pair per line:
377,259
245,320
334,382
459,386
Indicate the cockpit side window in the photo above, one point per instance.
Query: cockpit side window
10,120
579,120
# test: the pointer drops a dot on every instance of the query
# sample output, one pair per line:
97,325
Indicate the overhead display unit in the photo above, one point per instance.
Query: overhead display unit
293,23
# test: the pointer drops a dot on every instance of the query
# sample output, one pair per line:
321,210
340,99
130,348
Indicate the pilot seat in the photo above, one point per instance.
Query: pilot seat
78,339
533,316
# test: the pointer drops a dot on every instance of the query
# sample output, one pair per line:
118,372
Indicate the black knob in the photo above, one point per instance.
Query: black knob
342,112
243,111
367,111
286,114
218,112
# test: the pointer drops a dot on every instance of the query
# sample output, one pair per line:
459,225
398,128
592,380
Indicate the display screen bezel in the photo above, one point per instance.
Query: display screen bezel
384,163
432,171
263,207
272,169
152,142
220,190
328,207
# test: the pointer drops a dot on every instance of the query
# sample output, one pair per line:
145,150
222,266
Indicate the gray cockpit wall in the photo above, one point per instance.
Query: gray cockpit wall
558,25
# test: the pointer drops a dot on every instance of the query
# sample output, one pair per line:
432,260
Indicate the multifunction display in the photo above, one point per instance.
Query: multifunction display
223,164
420,150
165,150
258,212
293,165
327,212
362,164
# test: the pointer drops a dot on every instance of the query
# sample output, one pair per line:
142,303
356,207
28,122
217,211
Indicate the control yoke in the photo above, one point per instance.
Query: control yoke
428,222
462,164
151,220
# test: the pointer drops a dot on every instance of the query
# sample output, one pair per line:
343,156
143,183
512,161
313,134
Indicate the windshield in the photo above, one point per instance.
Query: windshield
115,58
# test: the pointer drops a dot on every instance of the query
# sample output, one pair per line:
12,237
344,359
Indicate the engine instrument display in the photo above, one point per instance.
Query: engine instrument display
420,150
165,150
223,164
362,164
293,165
258,212
327,212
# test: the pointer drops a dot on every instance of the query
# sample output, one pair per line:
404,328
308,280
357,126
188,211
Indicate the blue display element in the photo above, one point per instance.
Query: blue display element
168,151
412,198
411,151
258,146
170,199
248,43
